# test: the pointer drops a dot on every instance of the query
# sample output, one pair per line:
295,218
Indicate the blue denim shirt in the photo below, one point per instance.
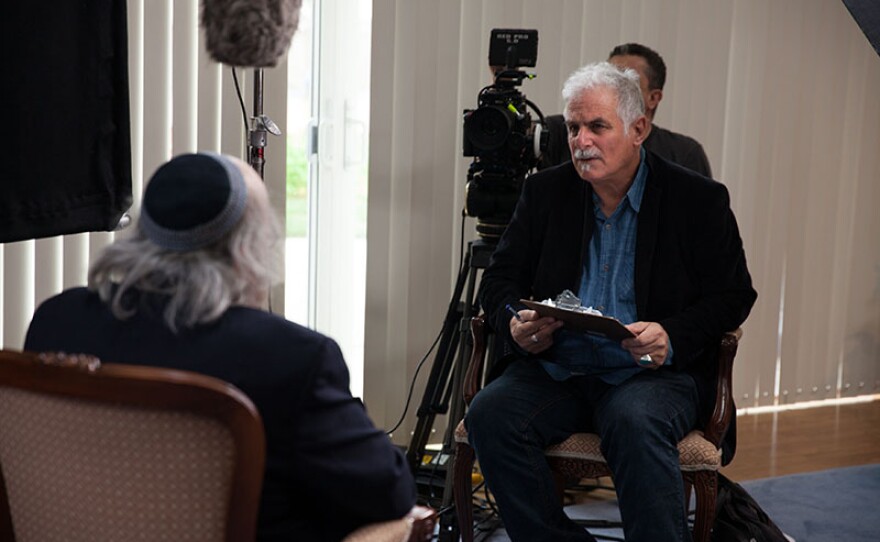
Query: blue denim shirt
607,285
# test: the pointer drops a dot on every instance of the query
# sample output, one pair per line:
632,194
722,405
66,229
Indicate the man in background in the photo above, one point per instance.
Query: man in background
681,149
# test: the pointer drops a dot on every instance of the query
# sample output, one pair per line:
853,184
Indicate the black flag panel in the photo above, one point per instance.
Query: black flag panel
65,160
867,15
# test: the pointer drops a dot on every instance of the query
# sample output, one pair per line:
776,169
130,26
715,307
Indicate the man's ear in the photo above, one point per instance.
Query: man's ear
654,97
640,128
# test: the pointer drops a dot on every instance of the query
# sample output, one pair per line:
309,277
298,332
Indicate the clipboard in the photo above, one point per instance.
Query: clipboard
583,322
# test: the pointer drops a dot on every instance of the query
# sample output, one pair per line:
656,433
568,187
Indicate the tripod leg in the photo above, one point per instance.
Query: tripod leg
449,529
452,356
433,398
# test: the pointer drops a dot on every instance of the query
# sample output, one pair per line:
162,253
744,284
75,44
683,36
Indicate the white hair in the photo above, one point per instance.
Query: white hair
201,284
624,82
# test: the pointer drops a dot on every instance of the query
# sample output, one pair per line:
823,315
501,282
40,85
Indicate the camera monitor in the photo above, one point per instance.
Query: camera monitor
513,48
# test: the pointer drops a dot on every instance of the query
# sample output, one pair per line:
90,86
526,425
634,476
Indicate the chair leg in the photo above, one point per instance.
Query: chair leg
461,490
706,486
687,492
559,482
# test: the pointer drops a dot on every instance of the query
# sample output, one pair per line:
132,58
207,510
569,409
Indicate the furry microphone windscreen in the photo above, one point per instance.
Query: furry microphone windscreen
252,33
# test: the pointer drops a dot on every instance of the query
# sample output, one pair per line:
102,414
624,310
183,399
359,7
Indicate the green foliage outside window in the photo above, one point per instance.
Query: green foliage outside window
297,191
298,195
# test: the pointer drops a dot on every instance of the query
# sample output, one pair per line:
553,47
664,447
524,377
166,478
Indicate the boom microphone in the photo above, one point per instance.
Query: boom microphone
254,33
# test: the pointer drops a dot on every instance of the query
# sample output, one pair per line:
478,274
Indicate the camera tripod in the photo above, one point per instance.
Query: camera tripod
443,389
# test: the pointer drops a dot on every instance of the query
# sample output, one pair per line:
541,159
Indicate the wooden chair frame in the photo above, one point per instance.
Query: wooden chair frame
86,378
702,478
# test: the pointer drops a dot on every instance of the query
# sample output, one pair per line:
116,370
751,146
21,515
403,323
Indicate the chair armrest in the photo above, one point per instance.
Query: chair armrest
474,377
718,423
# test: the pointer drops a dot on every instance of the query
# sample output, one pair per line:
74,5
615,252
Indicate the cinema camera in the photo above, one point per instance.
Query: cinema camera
501,135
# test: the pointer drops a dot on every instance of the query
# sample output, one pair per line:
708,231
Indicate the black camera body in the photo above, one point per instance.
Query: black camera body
501,135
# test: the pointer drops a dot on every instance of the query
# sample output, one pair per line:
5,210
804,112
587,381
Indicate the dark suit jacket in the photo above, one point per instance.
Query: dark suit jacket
679,148
328,469
690,268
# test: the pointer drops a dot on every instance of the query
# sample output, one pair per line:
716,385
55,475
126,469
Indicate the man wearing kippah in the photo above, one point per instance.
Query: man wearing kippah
186,291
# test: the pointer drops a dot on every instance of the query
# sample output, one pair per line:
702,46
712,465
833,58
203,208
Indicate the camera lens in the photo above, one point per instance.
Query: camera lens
487,127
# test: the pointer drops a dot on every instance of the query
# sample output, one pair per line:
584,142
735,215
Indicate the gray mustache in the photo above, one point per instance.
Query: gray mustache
583,154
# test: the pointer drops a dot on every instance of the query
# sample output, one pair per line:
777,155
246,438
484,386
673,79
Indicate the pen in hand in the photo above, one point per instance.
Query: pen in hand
513,312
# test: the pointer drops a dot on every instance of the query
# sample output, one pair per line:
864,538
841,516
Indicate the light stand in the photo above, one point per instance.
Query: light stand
260,126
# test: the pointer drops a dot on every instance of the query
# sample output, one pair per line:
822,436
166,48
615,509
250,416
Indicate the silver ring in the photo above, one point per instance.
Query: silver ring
534,339
646,360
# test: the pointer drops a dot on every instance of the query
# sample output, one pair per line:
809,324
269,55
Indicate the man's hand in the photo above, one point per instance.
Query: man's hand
532,333
650,340
422,520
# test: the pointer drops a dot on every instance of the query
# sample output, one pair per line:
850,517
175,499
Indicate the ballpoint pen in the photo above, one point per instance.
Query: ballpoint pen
513,312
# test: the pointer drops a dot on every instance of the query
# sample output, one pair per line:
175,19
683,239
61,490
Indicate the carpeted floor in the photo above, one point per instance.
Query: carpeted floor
827,506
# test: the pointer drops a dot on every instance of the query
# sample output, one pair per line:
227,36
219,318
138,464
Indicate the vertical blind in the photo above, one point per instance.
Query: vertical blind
181,101
781,94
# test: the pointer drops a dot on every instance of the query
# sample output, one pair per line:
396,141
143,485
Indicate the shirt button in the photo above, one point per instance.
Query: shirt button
605,267
601,307
607,226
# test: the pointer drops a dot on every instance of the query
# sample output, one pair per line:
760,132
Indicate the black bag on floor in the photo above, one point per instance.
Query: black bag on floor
738,518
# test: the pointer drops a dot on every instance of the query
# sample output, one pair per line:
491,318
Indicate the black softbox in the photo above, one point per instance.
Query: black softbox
867,16
65,157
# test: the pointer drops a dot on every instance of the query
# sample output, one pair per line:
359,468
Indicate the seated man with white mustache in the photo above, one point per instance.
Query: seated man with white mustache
639,238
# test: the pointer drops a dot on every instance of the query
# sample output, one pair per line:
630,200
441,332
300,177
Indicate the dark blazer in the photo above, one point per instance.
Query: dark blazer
328,469
679,148
690,268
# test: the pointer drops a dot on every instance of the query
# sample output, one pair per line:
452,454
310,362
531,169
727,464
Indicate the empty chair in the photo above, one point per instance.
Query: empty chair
93,451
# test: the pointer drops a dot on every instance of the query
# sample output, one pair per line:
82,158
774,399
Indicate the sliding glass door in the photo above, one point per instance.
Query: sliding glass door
329,75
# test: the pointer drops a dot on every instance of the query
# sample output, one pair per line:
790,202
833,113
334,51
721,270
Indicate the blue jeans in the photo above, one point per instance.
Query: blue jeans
514,418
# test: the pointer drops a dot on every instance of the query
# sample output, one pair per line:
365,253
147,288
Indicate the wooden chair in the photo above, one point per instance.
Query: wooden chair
580,457
93,451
